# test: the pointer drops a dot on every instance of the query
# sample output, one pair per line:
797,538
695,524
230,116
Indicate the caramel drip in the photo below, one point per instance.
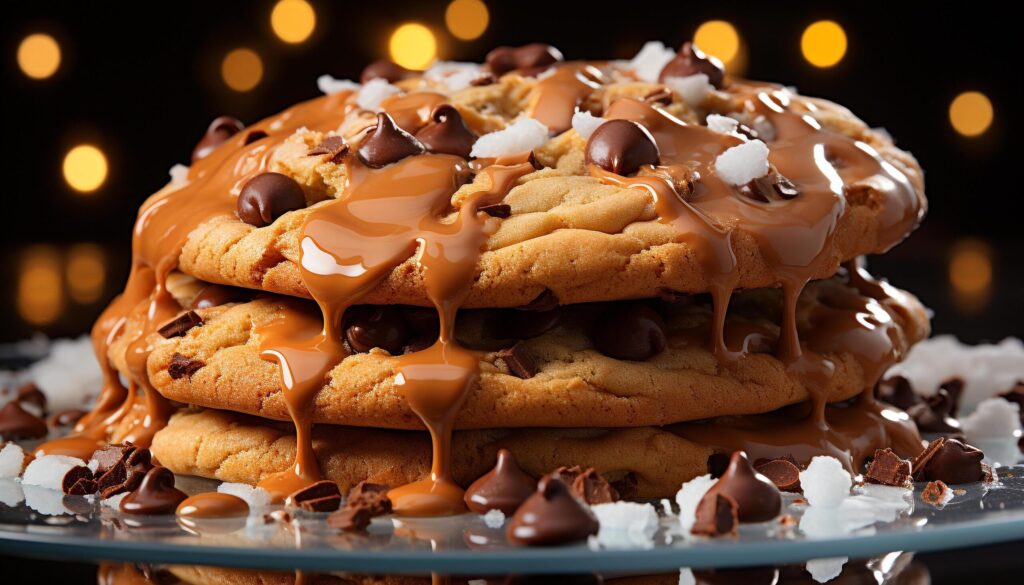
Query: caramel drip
558,96
411,111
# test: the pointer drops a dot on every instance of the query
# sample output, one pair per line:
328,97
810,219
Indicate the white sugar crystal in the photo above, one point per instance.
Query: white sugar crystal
179,174
824,570
666,507
994,418
114,501
627,516
11,493
743,163
585,123
257,497
722,124
694,89
494,518
689,496
522,135
330,85
12,458
374,93
453,75
825,482
652,58
69,376
48,471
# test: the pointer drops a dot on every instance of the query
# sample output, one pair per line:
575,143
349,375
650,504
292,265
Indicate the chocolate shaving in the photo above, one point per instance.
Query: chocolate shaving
783,472
372,496
887,468
501,210
126,474
322,496
74,476
716,515
519,362
182,366
333,146
592,488
180,325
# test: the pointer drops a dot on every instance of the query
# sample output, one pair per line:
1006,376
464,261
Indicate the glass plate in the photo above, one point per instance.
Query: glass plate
39,522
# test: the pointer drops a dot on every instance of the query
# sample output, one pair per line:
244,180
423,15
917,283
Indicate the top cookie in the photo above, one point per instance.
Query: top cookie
657,173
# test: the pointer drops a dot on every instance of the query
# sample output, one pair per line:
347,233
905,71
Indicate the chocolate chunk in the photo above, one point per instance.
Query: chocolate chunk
180,325
18,423
622,147
126,474
564,474
447,133
350,519
933,414
182,366
898,392
503,488
950,461
31,394
386,70
108,456
691,61
887,468
716,515
627,486
501,210
518,361
371,496
268,196
322,496
592,488
73,476
370,326
219,131
81,487
65,418
156,494
661,96
630,331
934,493
424,327
386,143
784,473
1016,396
334,147
215,295
551,516
528,59
525,323
954,388
756,497
254,136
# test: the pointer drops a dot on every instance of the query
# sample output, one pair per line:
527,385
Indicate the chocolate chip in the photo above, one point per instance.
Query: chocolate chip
503,488
954,388
528,59
715,516
65,418
334,147
386,143
371,496
350,519
31,394
447,133
180,325
592,488
18,423
181,366
369,326
950,461
691,61
563,473
887,468
502,210
219,131
124,475
81,487
518,361
545,301
898,392
387,70
155,494
526,323
268,196
630,331
551,516
215,295
73,476
423,326
108,456
782,472
932,415
322,496
757,499
621,147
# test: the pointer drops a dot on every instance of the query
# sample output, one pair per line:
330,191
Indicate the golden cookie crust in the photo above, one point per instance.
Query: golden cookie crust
576,386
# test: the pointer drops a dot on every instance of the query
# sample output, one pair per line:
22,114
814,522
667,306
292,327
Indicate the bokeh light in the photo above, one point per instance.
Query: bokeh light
720,39
971,113
293,21
413,46
970,274
467,19
40,299
823,43
86,273
39,56
85,168
242,69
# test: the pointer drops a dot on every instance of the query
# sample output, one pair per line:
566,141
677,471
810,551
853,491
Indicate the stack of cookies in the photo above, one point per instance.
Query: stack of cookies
636,266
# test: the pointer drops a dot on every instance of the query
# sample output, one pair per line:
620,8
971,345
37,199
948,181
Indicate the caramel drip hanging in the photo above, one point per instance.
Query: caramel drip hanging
558,96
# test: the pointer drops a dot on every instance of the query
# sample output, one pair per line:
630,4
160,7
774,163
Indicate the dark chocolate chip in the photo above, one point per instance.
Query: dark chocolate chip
932,415
887,468
716,515
219,131
447,133
31,394
528,59
551,516
526,323
621,147
181,366
387,70
334,147
630,331
268,196
215,295
950,461
155,494
73,476
108,456
83,486
18,423
519,361
423,326
592,488
370,326
386,143
180,325
503,488
65,418
757,499
563,473
784,473
954,388
691,61
322,496
628,486
124,475
898,392
502,210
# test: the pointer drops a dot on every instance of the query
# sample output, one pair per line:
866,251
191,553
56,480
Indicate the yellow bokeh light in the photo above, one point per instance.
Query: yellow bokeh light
40,297
971,113
718,38
970,274
242,69
413,46
467,19
823,43
293,21
39,56
85,168
86,273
